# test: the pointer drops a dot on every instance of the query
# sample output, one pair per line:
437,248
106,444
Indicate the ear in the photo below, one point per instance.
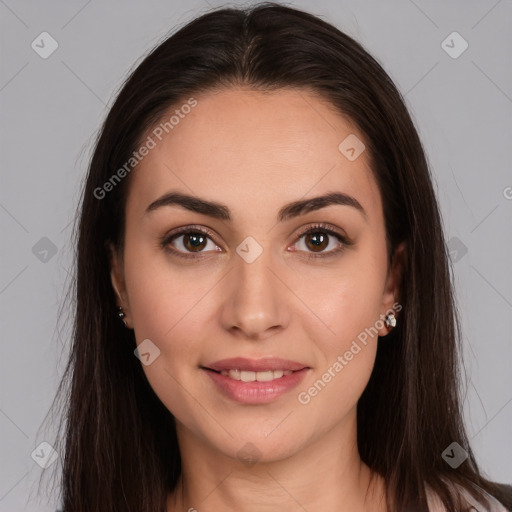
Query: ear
393,286
117,276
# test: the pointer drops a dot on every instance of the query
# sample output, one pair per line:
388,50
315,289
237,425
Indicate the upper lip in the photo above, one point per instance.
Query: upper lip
255,365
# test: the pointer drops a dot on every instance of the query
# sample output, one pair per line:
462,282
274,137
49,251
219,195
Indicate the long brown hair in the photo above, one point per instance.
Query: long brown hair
120,450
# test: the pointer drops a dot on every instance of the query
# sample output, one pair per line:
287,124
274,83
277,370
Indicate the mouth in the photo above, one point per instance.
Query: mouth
255,365
250,376
255,381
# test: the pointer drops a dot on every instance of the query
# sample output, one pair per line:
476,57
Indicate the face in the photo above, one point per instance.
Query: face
242,279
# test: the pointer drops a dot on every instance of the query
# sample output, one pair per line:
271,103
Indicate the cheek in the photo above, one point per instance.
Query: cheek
165,299
344,370
333,394
167,309
171,307
347,300
349,304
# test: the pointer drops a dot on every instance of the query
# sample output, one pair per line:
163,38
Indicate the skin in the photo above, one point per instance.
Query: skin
256,151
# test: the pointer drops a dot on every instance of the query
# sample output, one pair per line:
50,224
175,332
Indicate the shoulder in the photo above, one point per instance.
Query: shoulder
436,505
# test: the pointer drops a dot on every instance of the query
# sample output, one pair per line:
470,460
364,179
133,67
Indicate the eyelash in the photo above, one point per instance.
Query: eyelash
316,228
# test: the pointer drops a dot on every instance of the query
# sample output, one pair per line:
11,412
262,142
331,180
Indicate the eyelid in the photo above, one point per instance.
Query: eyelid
192,228
321,226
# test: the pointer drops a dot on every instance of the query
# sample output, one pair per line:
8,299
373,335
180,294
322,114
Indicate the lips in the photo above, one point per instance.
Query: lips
255,365
248,376
255,381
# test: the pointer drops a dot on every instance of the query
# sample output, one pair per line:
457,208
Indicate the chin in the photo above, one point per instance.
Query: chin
251,445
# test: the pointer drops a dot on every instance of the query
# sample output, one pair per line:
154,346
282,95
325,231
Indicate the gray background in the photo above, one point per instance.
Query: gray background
51,109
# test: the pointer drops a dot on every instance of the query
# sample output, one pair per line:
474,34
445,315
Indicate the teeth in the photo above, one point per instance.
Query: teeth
247,376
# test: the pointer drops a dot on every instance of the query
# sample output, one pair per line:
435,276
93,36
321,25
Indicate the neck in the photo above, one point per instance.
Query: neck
327,474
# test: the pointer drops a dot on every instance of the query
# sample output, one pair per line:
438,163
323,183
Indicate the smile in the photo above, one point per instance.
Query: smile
248,376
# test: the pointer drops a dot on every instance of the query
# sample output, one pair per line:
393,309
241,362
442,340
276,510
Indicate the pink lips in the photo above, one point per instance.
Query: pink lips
255,365
255,392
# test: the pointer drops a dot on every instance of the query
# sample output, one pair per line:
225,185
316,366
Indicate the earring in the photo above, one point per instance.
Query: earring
121,314
390,320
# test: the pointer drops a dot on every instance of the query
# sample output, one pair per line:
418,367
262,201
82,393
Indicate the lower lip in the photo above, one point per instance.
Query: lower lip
256,392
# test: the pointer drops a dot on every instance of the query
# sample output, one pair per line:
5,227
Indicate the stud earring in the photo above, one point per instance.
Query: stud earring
390,320
121,314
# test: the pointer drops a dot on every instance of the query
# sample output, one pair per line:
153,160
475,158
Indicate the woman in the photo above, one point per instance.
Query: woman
264,314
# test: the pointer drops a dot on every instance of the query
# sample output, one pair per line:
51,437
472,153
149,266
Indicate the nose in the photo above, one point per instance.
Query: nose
256,299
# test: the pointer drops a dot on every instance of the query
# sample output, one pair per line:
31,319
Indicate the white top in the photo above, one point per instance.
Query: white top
436,505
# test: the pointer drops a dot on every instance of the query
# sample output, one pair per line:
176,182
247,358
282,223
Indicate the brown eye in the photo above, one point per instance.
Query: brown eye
189,243
194,241
320,241
317,241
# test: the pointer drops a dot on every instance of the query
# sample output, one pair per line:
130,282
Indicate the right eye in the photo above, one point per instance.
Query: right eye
189,240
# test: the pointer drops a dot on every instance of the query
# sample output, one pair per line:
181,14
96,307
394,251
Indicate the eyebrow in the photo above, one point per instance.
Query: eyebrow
287,212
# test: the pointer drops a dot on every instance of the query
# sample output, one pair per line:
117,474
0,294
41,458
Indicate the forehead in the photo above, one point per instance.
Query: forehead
253,149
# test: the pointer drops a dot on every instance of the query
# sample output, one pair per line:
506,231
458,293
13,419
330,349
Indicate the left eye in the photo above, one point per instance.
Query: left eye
320,241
